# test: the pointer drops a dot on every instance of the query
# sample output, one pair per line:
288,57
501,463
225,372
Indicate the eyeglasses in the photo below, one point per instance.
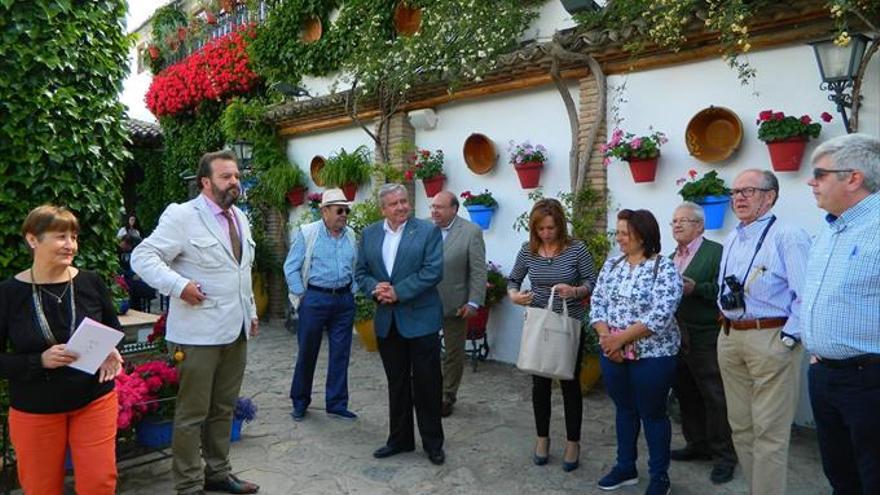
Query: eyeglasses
747,192
818,172
340,210
676,221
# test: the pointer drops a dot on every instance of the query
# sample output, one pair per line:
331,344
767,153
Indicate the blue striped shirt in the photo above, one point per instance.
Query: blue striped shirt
331,261
841,310
774,282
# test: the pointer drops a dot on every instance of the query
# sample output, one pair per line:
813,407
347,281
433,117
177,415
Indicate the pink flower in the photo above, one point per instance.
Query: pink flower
680,182
692,173
765,115
826,116
636,143
805,119
408,175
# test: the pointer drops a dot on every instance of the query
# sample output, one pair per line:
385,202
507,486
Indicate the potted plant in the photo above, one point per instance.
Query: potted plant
245,411
146,401
528,161
590,370
428,167
282,185
364,311
710,192
347,170
496,290
786,137
481,207
120,292
642,152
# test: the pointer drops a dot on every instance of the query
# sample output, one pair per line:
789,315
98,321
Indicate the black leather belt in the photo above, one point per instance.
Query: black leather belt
339,290
853,362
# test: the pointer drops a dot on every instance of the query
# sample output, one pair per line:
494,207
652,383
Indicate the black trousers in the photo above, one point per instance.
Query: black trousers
572,401
700,393
412,367
845,405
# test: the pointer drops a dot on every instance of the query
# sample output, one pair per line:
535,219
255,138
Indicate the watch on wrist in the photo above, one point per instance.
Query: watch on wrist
788,340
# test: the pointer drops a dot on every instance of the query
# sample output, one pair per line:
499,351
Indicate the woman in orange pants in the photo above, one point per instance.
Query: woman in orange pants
54,407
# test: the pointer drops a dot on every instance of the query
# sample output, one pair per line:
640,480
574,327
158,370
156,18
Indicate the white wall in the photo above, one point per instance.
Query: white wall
134,89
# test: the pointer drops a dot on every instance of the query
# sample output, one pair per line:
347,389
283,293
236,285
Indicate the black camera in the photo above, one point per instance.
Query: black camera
736,298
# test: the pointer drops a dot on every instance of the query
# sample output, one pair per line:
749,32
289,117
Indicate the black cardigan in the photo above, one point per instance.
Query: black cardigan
33,388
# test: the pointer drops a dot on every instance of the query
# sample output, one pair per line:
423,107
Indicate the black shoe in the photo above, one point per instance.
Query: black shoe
689,454
232,484
388,451
446,409
436,457
722,473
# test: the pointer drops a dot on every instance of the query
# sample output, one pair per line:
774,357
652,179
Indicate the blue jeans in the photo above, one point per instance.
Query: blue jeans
639,390
845,405
320,311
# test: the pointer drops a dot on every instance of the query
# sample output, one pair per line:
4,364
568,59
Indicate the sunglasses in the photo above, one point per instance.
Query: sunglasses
819,172
340,210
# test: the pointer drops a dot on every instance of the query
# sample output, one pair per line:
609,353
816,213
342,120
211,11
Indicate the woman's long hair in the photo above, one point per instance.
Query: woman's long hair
544,208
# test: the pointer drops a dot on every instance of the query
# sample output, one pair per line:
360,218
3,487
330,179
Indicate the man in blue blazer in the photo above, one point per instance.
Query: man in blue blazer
399,264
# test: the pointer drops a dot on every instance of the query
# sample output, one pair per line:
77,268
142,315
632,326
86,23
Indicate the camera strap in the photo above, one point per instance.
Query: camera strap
757,248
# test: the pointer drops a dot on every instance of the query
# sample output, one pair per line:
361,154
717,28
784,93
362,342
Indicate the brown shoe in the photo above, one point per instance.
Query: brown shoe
232,484
446,409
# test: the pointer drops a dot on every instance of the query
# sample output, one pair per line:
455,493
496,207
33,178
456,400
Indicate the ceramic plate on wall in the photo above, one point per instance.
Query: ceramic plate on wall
713,134
314,169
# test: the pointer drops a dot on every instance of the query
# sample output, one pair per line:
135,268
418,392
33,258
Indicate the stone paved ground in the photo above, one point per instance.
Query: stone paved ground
488,440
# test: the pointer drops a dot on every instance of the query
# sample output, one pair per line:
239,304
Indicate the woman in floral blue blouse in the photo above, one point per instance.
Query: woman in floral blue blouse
633,311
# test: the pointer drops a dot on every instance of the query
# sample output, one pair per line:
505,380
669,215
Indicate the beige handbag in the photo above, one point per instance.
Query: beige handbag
549,342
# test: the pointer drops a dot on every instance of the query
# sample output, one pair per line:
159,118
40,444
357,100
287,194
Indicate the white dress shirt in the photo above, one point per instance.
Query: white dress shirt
390,244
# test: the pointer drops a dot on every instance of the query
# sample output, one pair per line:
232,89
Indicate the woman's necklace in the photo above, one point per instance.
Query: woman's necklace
549,253
41,316
58,297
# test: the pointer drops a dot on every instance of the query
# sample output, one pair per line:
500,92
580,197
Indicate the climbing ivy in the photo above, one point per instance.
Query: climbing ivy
62,138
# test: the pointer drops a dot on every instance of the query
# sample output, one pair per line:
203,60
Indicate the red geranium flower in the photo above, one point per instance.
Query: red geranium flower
826,116
806,119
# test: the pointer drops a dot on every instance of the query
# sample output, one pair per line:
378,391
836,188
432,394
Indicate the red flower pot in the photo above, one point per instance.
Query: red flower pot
479,320
529,174
643,170
350,190
296,196
433,185
786,155
210,18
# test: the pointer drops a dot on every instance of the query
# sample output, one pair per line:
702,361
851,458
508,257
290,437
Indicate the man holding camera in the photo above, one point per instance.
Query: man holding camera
759,351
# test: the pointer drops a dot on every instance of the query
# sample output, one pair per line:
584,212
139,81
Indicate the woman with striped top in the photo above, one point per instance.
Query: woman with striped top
552,258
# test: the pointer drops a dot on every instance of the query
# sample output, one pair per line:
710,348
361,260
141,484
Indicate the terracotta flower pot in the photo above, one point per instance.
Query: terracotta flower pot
296,196
181,33
590,372
529,174
210,18
367,333
786,155
350,190
643,170
154,52
433,185
407,20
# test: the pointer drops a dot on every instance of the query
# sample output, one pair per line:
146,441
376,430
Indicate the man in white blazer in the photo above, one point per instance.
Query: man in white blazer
201,254
462,289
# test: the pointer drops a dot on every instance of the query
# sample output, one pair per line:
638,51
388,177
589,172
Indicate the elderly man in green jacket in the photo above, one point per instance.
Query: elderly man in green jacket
698,382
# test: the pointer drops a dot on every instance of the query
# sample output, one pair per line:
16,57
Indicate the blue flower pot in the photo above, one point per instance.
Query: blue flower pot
236,429
481,215
155,434
714,209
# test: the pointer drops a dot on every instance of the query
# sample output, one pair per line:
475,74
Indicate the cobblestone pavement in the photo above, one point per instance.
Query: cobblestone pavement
488,446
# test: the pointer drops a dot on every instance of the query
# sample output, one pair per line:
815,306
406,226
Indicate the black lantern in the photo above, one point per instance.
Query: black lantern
838,66
244,150
576,6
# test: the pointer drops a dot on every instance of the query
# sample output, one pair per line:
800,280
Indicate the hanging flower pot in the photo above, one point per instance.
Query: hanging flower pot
407,20
296,196
350,190
311,30
181,33
481,215
433,185
786,155
480,320
714,209
210,18
643,170
529,174
154,51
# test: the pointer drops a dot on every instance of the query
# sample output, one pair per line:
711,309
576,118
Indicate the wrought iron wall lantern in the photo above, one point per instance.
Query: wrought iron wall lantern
575,6
244,150
839,66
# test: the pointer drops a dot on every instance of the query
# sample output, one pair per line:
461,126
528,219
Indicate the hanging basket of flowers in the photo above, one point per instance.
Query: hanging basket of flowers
786,137
528,161
642,152
428,167
481,207
710,192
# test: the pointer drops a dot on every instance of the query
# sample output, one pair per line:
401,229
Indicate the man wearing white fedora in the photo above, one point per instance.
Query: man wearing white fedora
320,276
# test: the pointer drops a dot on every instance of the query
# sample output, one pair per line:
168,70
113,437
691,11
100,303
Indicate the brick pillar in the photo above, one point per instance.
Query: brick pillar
276,237
597,175
400,135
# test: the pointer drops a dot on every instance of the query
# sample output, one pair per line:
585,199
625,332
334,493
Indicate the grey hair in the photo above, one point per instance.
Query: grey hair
768,181
389,188
856,151
696,209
